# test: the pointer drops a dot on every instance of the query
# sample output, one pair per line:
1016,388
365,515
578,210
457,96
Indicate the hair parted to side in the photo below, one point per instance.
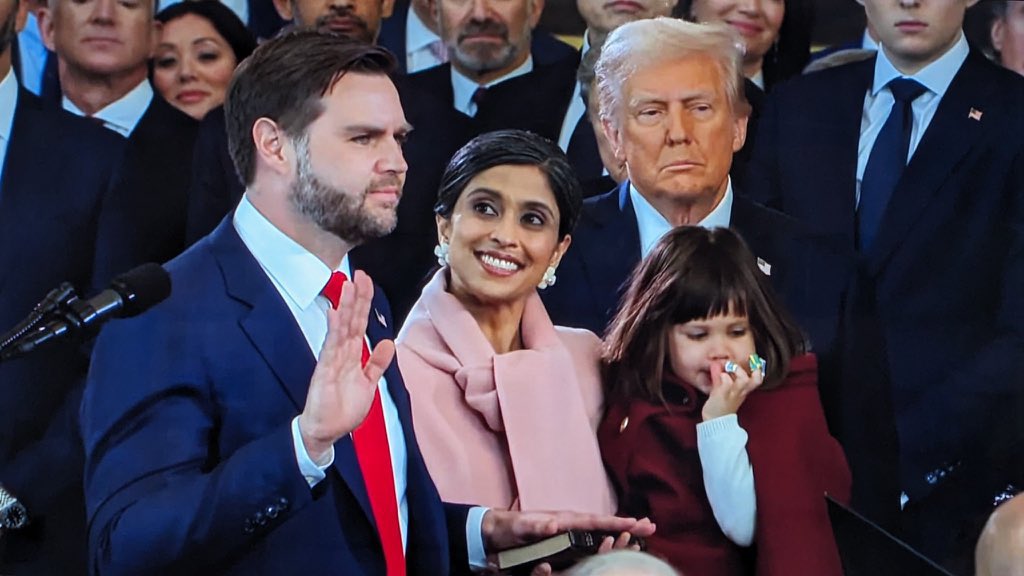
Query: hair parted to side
284,79
223,20
643,43
692,273
513,148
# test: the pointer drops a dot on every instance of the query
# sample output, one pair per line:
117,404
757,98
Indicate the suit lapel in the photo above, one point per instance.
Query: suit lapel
276,336
950,136
839,141
615,250
23,171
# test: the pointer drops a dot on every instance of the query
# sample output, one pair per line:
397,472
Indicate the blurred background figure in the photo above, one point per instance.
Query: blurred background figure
776,33
1000,549
622,563
1007,34
201,43
505,404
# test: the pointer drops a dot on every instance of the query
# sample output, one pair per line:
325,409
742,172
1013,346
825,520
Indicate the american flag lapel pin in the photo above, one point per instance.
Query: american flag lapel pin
764,266
380,318
974,114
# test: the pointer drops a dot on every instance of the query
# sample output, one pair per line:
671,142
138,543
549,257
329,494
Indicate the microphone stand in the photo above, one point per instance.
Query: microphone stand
59,301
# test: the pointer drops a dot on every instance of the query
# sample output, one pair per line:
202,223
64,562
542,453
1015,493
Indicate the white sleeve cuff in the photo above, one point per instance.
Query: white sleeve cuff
728,476
475,538
313,472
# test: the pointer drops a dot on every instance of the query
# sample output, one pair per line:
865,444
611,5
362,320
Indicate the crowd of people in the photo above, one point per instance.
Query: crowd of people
444,285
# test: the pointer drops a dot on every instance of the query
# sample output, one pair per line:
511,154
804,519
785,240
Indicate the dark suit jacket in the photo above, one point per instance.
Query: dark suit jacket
944,275
57,171
190,463
215,188
536,102
546,49
146,218
809,275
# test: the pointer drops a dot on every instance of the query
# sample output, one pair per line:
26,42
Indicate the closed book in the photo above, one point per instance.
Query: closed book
560,551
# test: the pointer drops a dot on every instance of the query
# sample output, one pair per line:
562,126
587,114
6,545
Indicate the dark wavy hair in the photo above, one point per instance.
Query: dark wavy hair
692,273
516,148
223,20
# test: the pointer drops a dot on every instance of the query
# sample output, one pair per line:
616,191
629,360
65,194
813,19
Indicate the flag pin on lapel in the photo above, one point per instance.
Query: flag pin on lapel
764,266
380,318
974,114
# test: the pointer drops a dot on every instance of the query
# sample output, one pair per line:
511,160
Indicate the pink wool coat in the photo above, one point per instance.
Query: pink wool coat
510,431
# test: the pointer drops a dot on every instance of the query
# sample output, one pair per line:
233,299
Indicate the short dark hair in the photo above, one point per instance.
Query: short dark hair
284,80
223,20
516,148
692,273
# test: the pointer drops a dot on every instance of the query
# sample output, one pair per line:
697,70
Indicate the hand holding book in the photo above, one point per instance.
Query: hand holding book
504,529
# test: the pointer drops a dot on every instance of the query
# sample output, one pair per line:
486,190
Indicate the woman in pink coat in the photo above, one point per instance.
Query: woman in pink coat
505,404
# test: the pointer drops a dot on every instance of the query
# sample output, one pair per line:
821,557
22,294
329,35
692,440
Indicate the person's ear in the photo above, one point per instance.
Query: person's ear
536,9
739,132
46,27
614,136
284,9
444,226
998,34
273,148
560,251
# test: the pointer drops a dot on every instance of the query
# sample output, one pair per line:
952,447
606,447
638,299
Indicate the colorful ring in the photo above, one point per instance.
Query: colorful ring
758,363
731,367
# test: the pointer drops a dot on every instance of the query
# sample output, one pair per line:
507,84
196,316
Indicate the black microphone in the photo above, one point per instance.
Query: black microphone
129,294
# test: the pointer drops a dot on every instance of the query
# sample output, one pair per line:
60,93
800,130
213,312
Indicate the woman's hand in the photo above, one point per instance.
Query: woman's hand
729,388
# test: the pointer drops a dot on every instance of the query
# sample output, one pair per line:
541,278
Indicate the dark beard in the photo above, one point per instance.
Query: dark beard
332,209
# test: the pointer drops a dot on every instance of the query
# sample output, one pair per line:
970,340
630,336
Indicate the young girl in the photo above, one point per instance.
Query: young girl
714,428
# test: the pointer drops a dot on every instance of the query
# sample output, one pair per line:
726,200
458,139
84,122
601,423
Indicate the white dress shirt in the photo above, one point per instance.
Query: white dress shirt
878,101
653,225
721,442
418,39
463,88
122,115
8,102
577,107
299,278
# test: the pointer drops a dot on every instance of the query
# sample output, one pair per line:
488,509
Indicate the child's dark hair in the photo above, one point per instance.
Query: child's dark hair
692,273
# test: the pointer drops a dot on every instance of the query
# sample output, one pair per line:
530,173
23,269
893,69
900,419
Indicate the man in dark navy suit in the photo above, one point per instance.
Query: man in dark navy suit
914,158
244,425
55,170
103,48
672,105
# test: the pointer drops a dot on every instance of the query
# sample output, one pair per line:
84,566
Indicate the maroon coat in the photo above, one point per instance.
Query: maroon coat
650,450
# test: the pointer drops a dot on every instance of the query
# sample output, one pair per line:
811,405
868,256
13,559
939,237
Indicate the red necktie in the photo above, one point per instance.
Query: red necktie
374,455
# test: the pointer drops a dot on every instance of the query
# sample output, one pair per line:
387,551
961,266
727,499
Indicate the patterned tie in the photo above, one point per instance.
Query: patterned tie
887,160
374,455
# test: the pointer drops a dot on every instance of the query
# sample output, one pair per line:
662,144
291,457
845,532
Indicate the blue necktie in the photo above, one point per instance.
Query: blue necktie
887,160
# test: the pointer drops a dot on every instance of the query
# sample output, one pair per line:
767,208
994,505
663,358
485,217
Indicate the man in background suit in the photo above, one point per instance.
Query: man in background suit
216,187
411,34
673,109
103,49
914,158
55,169
243,425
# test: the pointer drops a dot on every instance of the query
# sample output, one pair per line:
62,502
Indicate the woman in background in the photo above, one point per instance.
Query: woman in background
776,34
201,43
505,404
726,451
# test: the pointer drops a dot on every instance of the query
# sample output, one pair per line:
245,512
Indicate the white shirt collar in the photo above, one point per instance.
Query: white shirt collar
122,115
300,275
8,102
936,77
417,35
586,43
653,225
463,88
